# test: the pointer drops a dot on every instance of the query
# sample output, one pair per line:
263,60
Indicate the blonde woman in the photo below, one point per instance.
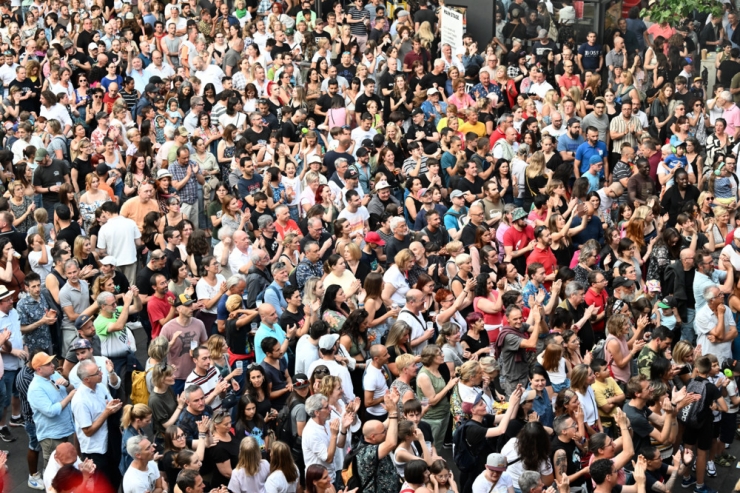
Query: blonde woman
291,250
549,107
626,91
313,292
218,350
536,176
577,96
251,470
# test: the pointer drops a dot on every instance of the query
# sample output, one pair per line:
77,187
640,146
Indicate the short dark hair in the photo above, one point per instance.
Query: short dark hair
267,344
110,207
599,470
32,277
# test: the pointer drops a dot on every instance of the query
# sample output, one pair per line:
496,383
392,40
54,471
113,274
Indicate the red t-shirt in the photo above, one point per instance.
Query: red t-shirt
518,239
599,300
158,309
546,258
291,227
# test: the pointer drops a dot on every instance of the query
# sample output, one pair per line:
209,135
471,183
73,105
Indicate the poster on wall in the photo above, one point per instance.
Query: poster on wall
453,27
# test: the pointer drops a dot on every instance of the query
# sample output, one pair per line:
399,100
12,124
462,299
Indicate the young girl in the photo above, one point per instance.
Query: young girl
372,108
251,424
159,124
292,185
722,185
625,213
174,113
337,116
440,477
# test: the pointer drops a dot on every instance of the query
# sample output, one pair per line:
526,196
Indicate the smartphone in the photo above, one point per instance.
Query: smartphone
684,370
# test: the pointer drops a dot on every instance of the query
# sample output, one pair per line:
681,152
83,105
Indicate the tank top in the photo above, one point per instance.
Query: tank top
620,374
442,408
489,318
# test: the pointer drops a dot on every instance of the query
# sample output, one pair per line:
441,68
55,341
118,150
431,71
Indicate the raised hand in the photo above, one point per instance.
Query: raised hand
203,424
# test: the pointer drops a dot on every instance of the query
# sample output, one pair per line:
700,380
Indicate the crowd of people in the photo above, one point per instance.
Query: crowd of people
353,251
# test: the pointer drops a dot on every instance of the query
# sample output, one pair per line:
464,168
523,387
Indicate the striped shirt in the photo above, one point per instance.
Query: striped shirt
620,125
358,28
207,383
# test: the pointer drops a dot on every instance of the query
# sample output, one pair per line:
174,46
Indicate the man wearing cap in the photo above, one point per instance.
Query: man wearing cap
434,109
49,396
48,178
591,147
714,325
329,356
519,240
493,478
381,199
423,133
184,333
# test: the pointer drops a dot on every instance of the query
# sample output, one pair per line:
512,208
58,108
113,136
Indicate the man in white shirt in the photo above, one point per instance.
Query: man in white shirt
341,82
355,212
239,262
7,70
307,349
158,68
143,473
319,444
539,87
328,358
715,325
64,455
208,73
365,130
412,315
556,128
136,71
375,383
115,238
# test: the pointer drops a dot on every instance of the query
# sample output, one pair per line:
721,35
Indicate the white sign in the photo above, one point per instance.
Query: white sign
452,29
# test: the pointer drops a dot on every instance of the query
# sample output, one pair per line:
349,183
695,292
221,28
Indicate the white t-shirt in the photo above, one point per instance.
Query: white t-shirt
206,292
394,276
356,219
704,322
483,485
276,483
731,392
375,380
518,168
662,170
305,354
240,481
418,327
135,481
588,404
515,470
42,270
115,238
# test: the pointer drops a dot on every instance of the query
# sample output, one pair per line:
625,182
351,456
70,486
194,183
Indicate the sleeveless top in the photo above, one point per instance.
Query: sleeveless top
442,408
489,318
620,374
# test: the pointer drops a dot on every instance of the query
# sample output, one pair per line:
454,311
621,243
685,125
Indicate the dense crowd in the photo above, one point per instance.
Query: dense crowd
364,260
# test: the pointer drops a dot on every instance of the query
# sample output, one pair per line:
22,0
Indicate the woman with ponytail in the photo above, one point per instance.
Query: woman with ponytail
135,418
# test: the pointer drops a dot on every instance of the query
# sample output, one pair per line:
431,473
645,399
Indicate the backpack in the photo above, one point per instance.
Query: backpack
462,452
139,390
261,297
599,350
690,414
284,425
350,476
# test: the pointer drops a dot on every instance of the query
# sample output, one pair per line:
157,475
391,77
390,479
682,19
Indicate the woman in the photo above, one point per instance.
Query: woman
378,315
338,274
251,424
173,215
136,175
618,350
397,344
396,279
666,250
22,207
133,420
251,469
581,379
353,336
720,142
179,279
92,199
259,392
458,284
284,474
473,382
165,406
620,451
226,150
334,309
449,341
532,447
232,215
659,113
11,276
587,262
405,365
489,304
572,350
225,453
85,256
416,476
412,202
535,179
318,479
432,387
505,182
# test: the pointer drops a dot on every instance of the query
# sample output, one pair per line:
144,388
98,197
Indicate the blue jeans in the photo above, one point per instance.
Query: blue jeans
687,326
33,442
8,382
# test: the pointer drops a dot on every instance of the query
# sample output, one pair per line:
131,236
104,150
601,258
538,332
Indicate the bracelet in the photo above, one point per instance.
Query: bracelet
343,432
395,416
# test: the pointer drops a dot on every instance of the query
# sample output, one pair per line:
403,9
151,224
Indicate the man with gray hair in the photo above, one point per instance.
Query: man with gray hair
400,239
317,234
240,256
311,265
531,482
513,342
143,473
274,292
110,326
715,326
258,276
574,303
266,238
92,405
196,108
208,73
412,314
74,298
235,285
318,446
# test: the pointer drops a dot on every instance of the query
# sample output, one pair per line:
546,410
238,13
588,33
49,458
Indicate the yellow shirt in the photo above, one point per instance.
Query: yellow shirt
602,392
479,128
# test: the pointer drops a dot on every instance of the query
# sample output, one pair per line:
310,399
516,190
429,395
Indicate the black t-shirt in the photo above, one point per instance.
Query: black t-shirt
290,131
288,319
144,279
473,345
728,69
641,427
84,39
657,476
69,233
324,102
346,72
238,338
49,176
425,15
362,100
572,455
468,234
712,394
255,137
83,167
430,79
18,240
26,86
476,187
331,157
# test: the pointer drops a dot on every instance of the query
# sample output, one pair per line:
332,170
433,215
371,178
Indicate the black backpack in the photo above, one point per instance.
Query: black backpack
689,415
284,424
464,455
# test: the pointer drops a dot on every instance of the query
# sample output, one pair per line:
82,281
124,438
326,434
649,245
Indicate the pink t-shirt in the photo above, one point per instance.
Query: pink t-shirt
732,116
657,30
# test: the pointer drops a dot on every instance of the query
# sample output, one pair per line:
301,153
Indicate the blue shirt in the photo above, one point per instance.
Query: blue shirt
431,112
593,181
593,231
591,55
702,282
542,405
565,143
586,150
45,399
531,290
274,296
264,331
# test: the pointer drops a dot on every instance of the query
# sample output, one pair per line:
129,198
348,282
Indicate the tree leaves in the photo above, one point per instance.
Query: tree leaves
673,11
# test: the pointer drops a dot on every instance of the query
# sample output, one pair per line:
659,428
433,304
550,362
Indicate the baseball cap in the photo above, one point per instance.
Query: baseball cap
381,185
573,121
155,79
351,174
622,282
109,260
101,115
184,300
417,111
66,454
667,302
456,193
431,91
496,462
300,381
328,341
92,46
542,33
421,192
101,169
183,131
150,88
361,152
470,401
595,159
42,359
81,344
374,237
41,154
81,321
402,13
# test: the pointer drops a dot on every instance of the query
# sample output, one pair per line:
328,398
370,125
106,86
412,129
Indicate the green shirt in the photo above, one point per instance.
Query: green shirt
645,360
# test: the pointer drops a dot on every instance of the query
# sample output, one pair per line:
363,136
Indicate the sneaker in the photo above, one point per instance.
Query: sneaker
17,422
693,466
711,469
5,435
704,489
688,482
35,482
448,445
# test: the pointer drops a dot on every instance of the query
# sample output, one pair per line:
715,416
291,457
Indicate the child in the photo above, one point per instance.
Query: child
159,124
722,185
372,108
670,162
625,213
443,475
666,313
413,411
731,369
174,113
609,397
594,170
721,382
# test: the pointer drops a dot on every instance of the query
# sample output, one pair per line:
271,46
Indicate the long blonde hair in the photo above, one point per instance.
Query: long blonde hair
536,165
132,412
249,456
425,35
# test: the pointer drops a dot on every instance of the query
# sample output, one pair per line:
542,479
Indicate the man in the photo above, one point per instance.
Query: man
413,315
624,128
729,250
67,229
641,419
157,263
239,258
593,230
189,480
74,299
158,68
334,362
83,350
332,158
381,199
184,333
161,305
422,132
375,383
556,128
566,457
291,135
640,186
234,288
590,57
536,286
503,122
662,477
715,325
676,197
92,405
374,457
311,265
186,176
453,218
112,319
270,328
29,95
542,254
115,235
143,473
598,119
400,239
571,141
207,377
597,296
49,396
35,316
355,213
707,275
592,147
470,184
617,57
416,163
319,446
477,221
273,294
417,53
275,366
539,87
48,178
258,276
606,478
513,340
364,129
519,240
568,78
249,183
208,73
654,349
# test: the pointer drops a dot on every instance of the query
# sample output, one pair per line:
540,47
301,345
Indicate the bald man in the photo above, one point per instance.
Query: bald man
381,439
476,214
374,383
421,332
239,258
270,328
679,276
